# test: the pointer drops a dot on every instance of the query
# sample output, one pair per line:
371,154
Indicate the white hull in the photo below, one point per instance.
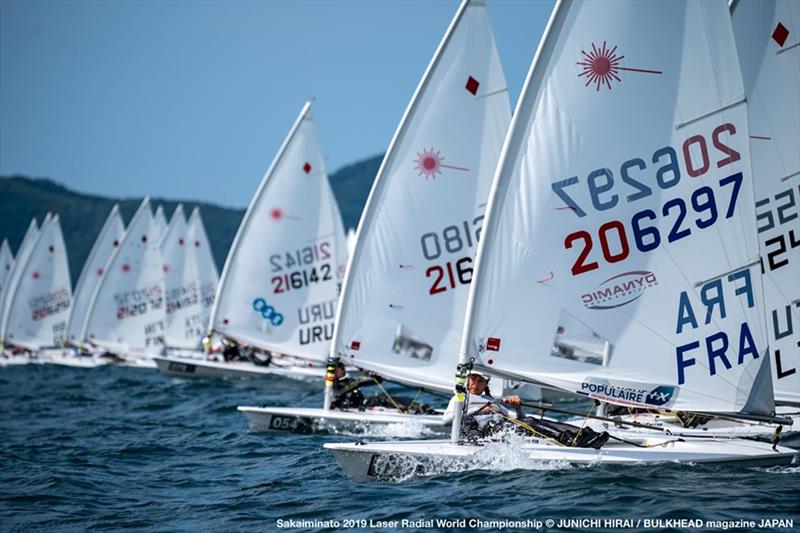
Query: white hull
8,359
194,368
314,420
75,361
717,427
404,459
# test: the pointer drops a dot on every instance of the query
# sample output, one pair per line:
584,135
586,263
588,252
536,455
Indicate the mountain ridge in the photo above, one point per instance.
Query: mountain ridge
83,214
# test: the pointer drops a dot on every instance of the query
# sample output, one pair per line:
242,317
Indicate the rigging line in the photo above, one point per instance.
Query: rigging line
525,426
583,425
394,403
791,46
413,400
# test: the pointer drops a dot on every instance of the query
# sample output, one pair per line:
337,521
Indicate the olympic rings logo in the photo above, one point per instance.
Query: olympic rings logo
261,306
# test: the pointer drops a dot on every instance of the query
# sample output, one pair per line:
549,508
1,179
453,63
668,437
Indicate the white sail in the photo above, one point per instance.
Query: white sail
207,274
351,241
768,42
93,270
404,297
184,326
620,226
39,303
279,286
23,252
6,263
126,313
160,221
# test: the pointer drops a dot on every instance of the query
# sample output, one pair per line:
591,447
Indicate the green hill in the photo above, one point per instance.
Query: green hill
82,215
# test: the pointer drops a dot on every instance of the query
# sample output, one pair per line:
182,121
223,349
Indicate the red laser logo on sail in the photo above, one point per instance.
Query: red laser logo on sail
277,214
429,164
601,66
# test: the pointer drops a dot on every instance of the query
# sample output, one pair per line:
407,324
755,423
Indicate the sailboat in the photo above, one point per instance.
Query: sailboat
39,302
93,270
28,240
278,289
126,312
769,56
206,268
160,222
405,291
628,152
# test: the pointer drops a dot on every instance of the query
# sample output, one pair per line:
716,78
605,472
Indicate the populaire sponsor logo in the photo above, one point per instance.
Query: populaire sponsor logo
620,290
635,394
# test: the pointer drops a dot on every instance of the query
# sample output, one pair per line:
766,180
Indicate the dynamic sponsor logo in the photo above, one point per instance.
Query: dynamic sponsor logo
620,290
267,312
629,393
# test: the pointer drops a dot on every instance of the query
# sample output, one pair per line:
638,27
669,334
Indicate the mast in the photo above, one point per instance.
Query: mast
518,123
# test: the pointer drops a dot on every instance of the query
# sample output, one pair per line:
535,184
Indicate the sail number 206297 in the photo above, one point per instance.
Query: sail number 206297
700,211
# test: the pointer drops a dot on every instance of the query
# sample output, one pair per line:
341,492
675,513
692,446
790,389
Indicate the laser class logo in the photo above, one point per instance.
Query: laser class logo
429,163
267,312
629,393
620,290
601,66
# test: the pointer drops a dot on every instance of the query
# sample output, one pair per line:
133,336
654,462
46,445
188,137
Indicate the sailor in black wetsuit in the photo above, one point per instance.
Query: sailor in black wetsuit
349,396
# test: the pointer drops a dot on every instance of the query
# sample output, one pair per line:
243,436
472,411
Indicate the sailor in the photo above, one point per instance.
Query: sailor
482,410
349,396
345,388
231,350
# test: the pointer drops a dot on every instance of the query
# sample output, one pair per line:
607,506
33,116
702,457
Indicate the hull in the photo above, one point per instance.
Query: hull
9,359
76,361
406,459
316,420
720,428
193,368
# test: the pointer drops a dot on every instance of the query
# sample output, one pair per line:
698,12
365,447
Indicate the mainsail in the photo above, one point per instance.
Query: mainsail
24,251
39,302
160,222
180,285
405,292
126,313
93,270
207,274
619,227
6,262
768,42
280,283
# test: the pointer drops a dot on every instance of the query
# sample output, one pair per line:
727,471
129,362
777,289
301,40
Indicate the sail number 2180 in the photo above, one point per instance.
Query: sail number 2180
453,240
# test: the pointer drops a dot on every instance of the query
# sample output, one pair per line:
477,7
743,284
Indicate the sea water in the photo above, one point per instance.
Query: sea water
111,447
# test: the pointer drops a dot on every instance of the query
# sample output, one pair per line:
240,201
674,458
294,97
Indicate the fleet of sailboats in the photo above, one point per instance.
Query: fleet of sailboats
558,249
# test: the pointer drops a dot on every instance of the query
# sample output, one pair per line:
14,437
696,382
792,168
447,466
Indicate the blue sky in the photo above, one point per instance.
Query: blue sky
190,100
